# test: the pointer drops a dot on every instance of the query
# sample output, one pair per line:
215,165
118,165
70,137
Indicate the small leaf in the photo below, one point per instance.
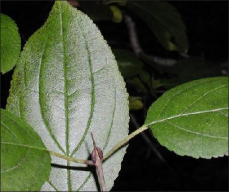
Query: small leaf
192,119
135,103
145,76
137,84
10,43
117,14
164,21
129,64
66,85
25,162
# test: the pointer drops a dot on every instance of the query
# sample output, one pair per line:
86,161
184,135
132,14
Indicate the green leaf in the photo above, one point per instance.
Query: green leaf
145,76
10,43
129,64
164,21
189,69
135,103
137,84
66,85
192,119
25,162
96,10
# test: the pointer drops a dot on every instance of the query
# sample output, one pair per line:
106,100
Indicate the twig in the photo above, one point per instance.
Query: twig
97,158
146,138
133,34
137,47
124,141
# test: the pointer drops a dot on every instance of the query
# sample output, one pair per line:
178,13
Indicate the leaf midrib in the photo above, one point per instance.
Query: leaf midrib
187,114
92,92
179,92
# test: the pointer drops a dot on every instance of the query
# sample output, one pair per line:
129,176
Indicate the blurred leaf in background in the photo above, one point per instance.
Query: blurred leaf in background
96,10
164,21
135,103
129,64
189,69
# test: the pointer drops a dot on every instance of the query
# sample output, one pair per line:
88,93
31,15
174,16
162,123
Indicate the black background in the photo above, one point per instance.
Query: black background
207,29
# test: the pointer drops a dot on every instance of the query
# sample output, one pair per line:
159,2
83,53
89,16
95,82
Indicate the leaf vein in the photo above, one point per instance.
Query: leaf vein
201,97
196,133
18,164
185,114
65,100
92,93
40,103
178,94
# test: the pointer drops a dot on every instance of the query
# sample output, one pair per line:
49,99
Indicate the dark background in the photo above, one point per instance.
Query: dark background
207,30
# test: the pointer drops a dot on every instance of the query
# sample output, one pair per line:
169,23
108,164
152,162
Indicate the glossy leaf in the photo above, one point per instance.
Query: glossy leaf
192,119
66,85
25,162
129,64
10,43
164,21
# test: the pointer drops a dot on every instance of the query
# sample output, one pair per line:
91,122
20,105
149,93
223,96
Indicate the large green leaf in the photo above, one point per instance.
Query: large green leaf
129,64
25,162
66,85
10,43
164,21
192,119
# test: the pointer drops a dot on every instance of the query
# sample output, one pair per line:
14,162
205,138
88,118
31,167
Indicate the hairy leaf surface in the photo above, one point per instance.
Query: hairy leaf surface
66,85
10,43
25,162
192,119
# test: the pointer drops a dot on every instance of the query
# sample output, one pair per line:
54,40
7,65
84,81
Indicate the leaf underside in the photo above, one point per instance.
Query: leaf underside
192,119
66,85
25,163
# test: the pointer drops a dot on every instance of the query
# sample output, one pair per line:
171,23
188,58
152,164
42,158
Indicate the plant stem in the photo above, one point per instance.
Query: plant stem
99,171
97,158
87,162
115,148
124,141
